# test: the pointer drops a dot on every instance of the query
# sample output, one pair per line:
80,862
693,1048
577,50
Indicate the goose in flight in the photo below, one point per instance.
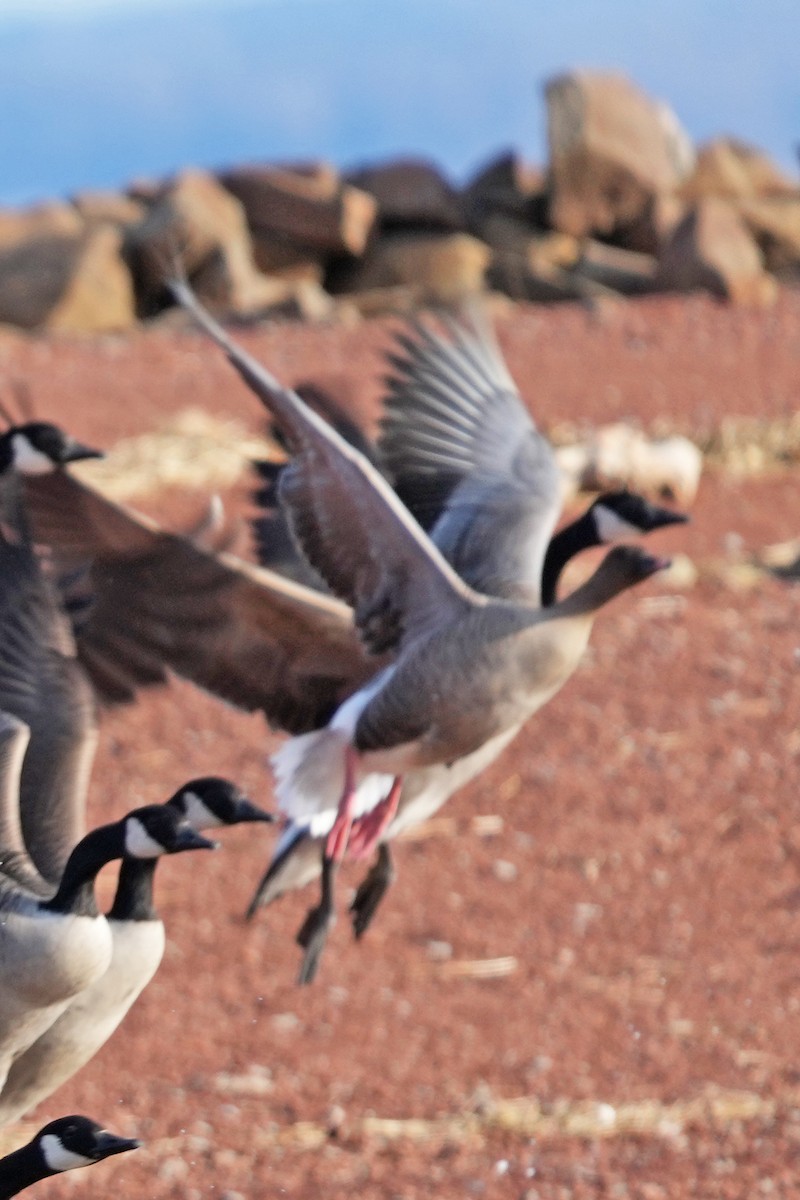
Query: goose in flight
465,669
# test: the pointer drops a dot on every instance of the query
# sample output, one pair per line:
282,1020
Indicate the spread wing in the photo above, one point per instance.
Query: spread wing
348,521
465,455
156,601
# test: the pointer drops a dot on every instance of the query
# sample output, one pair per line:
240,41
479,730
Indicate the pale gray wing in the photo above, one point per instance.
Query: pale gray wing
466,457
157,601
348,521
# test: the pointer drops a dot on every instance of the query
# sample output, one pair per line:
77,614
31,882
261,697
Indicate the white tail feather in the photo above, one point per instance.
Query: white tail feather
309,779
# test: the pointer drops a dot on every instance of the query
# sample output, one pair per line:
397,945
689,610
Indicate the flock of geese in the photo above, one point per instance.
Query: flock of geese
402,625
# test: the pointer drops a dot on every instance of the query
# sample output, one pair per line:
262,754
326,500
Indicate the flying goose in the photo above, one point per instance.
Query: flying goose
138,940
40,681
465,668
61,1145
54,946
444,393
160,601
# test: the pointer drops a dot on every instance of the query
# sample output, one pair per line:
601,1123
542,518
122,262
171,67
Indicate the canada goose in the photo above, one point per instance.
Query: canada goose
138,940
40,682
61,1145
53,947
467,668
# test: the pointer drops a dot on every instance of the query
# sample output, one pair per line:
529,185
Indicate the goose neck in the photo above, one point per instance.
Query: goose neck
133,899
76,890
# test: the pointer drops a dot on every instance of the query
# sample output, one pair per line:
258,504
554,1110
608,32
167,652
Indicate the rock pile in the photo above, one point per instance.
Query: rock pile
625,206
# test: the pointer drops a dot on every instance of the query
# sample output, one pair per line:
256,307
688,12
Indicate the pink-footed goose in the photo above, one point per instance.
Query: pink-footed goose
464,455
465,669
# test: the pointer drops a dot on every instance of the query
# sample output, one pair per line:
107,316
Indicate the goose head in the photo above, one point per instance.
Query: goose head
618,516
210,802
38,447
160,829
76,1141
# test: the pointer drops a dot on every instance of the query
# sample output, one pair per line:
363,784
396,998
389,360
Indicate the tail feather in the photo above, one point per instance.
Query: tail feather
309,780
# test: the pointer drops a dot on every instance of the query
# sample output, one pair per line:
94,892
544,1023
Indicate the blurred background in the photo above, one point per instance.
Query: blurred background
97,92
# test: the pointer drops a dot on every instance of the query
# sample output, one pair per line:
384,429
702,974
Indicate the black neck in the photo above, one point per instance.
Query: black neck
76,891
22,1168
571,540
12,509
133,899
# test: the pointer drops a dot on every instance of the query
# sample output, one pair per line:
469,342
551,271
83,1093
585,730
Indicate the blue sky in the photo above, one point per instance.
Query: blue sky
97,92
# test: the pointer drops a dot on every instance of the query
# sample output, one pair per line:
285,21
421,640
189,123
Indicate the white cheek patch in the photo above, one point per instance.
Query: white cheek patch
611,527
58,1157
138,842
198,814
27,459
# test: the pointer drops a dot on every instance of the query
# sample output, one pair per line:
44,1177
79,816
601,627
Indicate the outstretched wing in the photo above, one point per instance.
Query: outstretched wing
350,524
157,601
465,455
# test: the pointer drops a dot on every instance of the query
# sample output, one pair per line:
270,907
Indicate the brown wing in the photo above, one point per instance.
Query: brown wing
350,524
159,601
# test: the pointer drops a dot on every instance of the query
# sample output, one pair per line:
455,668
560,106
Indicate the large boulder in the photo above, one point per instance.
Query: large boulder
306,210
507,186
734,170
197,224
109,208
55,219
445,267
410,192
612,149
67,282
713,250
774,222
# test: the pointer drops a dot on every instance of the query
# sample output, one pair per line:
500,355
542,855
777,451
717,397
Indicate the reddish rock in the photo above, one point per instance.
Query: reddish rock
612,149
308,210
444,266
54,219
775,224
67,283
411,192
624,271
733,170
506,185
198,222
654,226
112,208
712,249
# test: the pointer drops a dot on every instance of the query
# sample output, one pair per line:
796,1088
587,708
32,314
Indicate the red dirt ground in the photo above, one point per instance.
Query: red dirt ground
645,874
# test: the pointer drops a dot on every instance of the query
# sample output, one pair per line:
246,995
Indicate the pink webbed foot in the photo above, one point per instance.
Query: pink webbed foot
368,830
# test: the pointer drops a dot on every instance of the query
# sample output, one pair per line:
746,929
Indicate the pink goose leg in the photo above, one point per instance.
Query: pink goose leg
336,845
369,829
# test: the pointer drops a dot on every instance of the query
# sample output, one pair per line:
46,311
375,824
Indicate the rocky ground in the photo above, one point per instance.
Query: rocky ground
629,870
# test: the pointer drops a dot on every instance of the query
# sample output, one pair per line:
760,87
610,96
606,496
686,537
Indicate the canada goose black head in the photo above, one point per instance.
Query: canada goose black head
621,515
78,1142
160,829
38,447
61,1145
210,802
